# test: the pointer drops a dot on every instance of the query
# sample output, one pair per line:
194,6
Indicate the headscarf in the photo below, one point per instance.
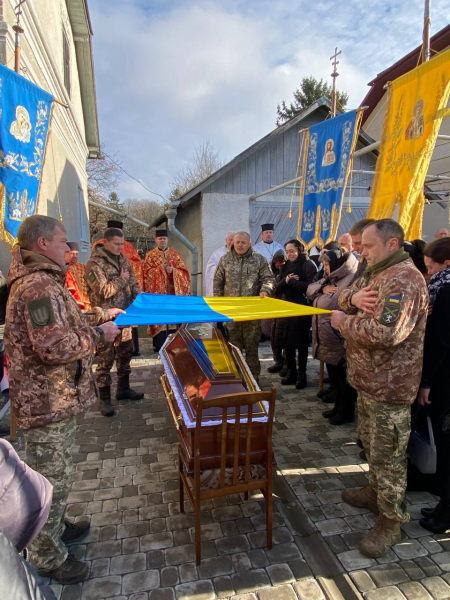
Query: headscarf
438,280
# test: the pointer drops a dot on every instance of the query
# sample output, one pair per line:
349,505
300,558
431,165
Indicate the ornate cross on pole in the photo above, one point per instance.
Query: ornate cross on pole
334,74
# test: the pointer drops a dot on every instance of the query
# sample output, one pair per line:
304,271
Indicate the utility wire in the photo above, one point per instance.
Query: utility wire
134,178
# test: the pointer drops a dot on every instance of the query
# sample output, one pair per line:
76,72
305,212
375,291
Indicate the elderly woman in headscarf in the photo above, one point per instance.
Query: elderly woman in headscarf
339,269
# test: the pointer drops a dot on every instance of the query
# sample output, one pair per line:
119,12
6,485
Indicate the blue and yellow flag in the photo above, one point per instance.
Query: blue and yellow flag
326,162
24,121
159,309
415,107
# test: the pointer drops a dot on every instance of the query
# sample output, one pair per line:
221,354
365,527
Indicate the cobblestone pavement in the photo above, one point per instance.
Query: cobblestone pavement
141,548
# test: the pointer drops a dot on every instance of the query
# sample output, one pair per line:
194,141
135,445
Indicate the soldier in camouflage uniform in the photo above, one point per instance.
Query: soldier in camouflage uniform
384,328
50,346
111,283
243,272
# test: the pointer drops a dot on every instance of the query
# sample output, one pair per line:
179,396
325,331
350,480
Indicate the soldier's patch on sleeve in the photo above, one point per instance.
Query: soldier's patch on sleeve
92,277
41,312
391,310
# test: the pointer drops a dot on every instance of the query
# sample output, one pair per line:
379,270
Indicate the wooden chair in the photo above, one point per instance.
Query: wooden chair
243,476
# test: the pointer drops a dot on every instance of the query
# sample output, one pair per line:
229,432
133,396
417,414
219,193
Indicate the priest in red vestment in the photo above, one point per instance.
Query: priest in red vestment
75,277
130,252
164,273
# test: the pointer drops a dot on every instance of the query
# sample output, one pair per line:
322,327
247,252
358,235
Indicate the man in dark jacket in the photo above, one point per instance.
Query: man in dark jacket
243,272
49,348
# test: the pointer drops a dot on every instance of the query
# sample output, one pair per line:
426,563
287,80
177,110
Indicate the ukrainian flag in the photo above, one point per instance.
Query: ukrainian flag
156,309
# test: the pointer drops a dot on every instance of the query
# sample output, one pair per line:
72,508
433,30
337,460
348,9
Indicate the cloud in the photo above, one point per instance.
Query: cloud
170,75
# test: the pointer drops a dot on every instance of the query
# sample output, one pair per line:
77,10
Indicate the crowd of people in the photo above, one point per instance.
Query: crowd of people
385,344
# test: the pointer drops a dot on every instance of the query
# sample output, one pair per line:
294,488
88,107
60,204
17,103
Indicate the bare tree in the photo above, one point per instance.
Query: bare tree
145,210
103,178
205,161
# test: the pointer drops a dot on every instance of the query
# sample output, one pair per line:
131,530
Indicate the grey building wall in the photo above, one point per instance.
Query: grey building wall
189,222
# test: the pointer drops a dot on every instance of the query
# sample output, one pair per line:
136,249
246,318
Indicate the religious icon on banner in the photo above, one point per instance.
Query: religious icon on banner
25,111
415,127
416,102
326,163
329,158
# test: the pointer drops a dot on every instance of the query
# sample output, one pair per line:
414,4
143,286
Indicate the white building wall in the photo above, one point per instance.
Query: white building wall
64,173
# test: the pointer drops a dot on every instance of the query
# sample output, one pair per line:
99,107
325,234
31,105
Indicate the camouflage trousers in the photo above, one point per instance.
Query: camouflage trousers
122,353
384,431
48,450
246,337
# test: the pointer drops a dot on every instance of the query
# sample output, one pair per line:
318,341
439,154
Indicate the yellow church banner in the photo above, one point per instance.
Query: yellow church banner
415,107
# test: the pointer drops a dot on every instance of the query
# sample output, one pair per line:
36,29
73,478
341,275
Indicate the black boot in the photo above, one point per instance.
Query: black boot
276,368
283,372
302,381
342,417
106,408
330,397
440,522
124,392
330,412
324,392
290,379
431,512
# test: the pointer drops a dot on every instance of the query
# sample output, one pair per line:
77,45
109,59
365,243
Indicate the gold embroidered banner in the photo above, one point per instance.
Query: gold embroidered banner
415,107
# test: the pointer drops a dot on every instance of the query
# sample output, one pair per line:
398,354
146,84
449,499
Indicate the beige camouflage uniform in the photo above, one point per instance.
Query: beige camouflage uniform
49,348
107,289
244,275
384,354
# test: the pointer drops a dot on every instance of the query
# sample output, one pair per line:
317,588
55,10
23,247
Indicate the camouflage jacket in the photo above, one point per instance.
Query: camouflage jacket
243,275
385,349
106,288
48,344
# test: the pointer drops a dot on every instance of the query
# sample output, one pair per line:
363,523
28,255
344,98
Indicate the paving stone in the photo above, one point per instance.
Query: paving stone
103,549
414,590
232,544
281,535
229,527
244,597
140,582
300,568
282,553
280,573
413,571
408,549
70,592
128,564
438,588
337,543
162,594
248,581
353,539
156,541
226,513
431,545
169,577
130,546
309,589
101,588
210,531
137,529
241,562
353,559
181,537
180,554
283,592
257,539
132,502
257,558
428,566
390,574
188,572
443,561
223,586
386,593
99,568
155,559
100,519
414,530
195,590
333,527
362,581
213,567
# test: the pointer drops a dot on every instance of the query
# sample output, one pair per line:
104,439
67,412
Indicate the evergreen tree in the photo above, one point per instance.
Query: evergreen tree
309,91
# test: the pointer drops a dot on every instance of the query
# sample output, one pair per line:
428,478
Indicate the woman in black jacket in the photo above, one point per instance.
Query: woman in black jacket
295,277
435,384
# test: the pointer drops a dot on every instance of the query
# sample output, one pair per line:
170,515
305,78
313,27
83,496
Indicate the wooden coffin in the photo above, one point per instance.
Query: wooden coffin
199,362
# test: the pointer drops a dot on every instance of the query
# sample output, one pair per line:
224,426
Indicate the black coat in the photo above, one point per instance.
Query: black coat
294,331
436,357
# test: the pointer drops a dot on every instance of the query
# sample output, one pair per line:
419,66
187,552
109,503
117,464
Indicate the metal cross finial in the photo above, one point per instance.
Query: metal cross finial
334,74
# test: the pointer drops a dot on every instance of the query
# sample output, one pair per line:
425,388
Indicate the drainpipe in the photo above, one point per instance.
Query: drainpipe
171,213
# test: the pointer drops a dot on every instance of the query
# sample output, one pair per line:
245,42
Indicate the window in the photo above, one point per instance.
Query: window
66,60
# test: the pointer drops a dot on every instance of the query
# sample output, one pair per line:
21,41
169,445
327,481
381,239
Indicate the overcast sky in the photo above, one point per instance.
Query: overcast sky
171,74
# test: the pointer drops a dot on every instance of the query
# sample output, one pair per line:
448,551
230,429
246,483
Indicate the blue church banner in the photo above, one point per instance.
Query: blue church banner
326,161
25,111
